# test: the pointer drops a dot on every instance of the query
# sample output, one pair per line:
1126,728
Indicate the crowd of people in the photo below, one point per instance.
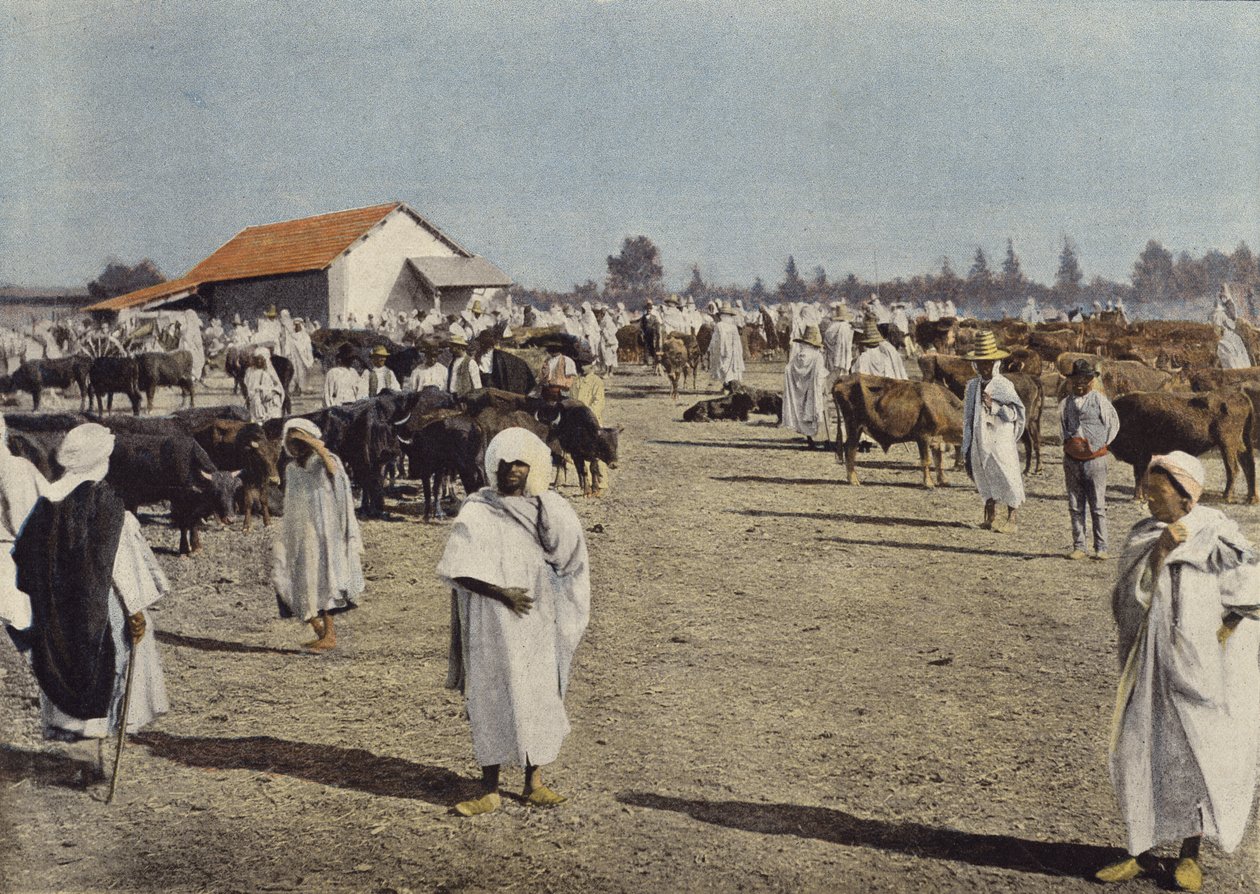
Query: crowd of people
78,577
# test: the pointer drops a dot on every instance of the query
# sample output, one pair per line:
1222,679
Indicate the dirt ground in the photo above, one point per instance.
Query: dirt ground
788,684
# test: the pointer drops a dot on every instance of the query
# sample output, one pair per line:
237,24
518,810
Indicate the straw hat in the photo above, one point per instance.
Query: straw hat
870,336
986,347
476,306
726,308
380,351
457,341
811,336
839,312
271,313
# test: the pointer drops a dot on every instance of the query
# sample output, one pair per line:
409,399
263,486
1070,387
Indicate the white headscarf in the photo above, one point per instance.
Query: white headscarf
1185,469
297,423
84,454
519,445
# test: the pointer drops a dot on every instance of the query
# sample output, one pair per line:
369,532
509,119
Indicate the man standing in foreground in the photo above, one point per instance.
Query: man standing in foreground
993,420
520,599
1187,718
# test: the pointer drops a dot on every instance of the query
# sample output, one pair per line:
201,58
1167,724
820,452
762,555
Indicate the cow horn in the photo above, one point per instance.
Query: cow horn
254,445
402,440
209,476
236,474
404,421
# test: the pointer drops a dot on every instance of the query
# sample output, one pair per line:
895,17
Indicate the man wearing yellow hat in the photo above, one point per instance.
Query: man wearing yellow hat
805,388
378,377
878,357
993,421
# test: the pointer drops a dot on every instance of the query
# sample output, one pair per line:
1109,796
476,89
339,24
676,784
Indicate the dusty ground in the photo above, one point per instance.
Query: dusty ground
788,685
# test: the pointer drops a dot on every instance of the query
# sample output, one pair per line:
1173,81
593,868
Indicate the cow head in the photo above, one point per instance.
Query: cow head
218,493
606,445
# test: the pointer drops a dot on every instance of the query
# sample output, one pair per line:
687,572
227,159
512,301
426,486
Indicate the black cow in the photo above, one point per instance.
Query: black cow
576,432
450,444
166,368
236,446
364,436
108,376
34,376
199,416
737,406
144,469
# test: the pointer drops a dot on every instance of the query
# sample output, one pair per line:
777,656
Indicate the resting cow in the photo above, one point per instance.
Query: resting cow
736,407
895,411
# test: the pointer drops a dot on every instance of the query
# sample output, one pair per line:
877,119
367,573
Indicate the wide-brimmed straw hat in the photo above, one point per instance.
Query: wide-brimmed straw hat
839,312
811,336
271,313
458,341
380,351
726,308
986,347
870,336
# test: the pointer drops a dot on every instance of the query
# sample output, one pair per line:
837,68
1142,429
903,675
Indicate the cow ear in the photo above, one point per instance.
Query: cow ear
236,474
207,475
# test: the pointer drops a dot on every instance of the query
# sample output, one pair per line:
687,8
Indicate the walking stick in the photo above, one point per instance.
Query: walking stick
122,723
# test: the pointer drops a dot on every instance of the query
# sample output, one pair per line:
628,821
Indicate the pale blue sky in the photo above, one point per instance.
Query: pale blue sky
541,133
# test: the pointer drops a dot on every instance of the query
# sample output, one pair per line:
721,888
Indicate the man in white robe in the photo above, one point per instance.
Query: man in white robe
316,567
672,316
136,582
464,374
190,340
268,332
264,392
805,388
1186,727
428,373
606,352
878,357
516,563
303,358
726,350
838,340
342,384
21,485
1231,351
993,421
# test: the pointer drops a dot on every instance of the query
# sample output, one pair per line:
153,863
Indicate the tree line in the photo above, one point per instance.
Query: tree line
1160,284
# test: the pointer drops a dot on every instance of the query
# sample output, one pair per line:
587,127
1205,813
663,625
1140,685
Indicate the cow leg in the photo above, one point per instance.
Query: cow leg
1231,471
264,496
1139,478
134,397
247,507
184,549
958,458
925,464
580,463
196,537
938,454
35,395
149,400
850,461
192,399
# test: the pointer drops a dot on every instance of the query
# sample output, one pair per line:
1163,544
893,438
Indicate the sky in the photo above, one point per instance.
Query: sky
853,136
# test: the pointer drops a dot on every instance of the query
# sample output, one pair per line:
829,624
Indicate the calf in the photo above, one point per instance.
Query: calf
1153,423
578,433
145,469
893,411
449,444
242,447
108,376
170,368
676,359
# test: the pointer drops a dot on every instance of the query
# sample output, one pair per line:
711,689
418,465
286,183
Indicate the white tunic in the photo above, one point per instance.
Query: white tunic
341,386
838,342
877,362
991,438
1187,723
20,488
514,671
726,352
316,563
264,395
385,381
138,582
427,376
805,391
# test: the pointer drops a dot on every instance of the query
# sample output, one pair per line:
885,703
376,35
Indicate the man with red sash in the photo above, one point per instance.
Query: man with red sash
1089,424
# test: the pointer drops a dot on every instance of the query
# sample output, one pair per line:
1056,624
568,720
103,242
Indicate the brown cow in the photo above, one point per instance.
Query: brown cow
677,359
1153,423
893,411
1023,360
1213,379
1116,377
236,446
955,372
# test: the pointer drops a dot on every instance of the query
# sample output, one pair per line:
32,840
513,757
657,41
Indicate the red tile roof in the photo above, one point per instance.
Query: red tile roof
291,246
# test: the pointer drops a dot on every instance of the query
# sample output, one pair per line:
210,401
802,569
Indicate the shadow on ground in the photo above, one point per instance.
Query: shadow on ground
348,768
880,520
914,839
45,768
205,644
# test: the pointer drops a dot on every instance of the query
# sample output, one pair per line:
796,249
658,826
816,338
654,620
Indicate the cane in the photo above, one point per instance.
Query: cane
122,723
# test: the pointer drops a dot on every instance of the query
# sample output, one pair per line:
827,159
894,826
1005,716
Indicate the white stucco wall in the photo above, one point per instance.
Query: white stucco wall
373,273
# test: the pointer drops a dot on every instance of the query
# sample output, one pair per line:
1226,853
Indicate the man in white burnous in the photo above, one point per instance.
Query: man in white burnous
1186,727
517,566
726,350
994,418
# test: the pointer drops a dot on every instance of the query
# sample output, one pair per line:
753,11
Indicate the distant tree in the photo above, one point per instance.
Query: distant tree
637,268
1153,280
1067,281
980,283
1012,274
1242,265
587,291
793,287
851,289
119,279
757,294
948,284
1219,269
696,288
1189,279
819,289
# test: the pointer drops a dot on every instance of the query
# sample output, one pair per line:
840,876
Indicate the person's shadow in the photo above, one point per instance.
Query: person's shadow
45,768
915,839
348,768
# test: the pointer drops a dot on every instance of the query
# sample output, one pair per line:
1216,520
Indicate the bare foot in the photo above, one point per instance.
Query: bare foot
325,644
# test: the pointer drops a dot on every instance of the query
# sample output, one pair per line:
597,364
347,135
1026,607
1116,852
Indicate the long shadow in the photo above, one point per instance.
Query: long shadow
205,644
771,479
1056,858
348,768
44,768
942,548
855,519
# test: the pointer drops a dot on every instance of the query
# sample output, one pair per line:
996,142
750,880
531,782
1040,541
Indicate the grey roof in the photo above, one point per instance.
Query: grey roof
450,273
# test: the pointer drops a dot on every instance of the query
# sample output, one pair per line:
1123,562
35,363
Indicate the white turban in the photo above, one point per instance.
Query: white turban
85,447
519,445
1185,469
297,423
